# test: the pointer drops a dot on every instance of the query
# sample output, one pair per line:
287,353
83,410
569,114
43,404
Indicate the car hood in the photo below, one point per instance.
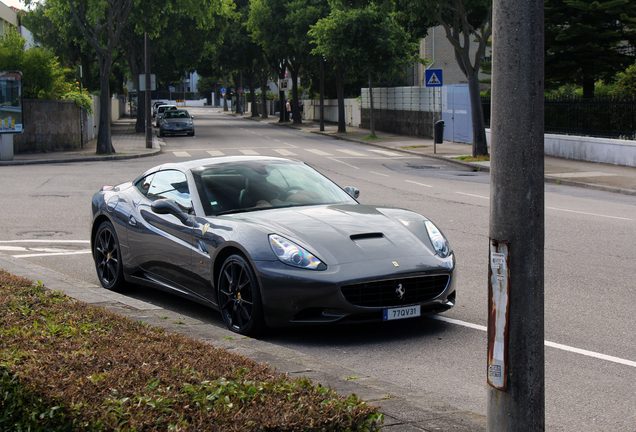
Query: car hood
348,233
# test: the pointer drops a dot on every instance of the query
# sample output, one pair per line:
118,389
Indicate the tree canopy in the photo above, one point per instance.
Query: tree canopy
587,41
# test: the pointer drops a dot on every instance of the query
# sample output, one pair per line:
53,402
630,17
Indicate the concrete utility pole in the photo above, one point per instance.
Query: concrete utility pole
516,363
147,91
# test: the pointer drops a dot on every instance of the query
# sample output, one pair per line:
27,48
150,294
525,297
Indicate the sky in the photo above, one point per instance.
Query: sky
16,3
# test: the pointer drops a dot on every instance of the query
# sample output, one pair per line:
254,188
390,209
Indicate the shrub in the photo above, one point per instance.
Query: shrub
65,365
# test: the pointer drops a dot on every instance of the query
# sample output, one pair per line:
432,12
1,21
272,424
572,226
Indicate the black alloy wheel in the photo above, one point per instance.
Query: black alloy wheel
107,256
239,297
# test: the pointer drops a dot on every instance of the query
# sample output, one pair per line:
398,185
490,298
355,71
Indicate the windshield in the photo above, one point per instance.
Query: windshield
258,185
176,114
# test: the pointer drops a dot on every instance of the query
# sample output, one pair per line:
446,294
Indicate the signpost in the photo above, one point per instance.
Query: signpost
11,115
434,78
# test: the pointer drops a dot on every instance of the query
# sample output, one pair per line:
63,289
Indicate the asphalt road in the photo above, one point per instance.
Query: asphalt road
590,297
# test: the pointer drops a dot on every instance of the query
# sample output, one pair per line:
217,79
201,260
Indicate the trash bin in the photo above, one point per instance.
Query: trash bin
439,131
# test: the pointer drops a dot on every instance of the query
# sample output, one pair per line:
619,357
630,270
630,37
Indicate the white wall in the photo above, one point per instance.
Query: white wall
311,111
604,150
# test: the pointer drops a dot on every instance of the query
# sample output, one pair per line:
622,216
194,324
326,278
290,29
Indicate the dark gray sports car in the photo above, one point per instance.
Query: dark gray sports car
269,242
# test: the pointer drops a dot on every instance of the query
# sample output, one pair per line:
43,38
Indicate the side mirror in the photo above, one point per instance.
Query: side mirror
192,117
353,191
168,206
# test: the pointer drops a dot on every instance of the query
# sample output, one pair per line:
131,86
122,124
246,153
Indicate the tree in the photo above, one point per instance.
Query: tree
587,41
101,23
42,75
626,83
470,19
385,46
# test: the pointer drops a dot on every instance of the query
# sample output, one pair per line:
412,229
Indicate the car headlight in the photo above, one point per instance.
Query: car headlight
440,244
293,255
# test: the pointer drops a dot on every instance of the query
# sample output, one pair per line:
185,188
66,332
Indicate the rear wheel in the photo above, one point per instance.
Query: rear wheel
239,297
107,256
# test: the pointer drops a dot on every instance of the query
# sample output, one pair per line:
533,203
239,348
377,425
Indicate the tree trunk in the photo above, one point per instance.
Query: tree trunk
253,96
588,87
295,109
480,145
264,97
371,122
340,78
104,143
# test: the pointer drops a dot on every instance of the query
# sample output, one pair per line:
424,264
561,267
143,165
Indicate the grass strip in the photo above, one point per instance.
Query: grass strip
67,366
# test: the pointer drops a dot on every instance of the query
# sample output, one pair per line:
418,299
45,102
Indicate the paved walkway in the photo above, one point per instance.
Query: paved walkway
591,175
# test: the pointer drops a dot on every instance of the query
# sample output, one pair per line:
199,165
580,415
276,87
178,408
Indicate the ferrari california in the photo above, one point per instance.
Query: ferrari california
269,242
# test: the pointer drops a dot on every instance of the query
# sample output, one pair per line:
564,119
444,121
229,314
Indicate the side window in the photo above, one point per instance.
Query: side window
144,184
173,185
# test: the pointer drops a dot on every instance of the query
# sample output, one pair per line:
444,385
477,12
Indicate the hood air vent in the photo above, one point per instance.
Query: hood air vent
364,236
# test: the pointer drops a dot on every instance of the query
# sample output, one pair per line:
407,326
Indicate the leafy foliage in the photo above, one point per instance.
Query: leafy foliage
626,83
68,366
586,41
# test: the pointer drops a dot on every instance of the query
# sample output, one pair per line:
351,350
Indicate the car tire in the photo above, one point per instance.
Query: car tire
107,256
191,133
240,298
162,133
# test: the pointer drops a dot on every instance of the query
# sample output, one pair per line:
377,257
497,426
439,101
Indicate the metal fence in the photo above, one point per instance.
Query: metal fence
598,117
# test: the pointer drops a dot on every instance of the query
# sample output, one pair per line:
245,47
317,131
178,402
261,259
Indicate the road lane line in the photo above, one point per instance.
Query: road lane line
559,209
351,152
588,214
87,251
336,160
380,174
44,241
547,343
215,153
284,152
421,184
249,152
476,196
181,154
318,152
386,153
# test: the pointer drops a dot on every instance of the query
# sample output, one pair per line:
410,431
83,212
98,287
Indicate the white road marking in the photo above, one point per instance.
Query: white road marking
420,184
547,343
580,174
386,153
215,153
476,196
87,251
319,152
181,154
44,241
344,163
380,174
563,210
249,152
284,152
351,152
588,214
12,248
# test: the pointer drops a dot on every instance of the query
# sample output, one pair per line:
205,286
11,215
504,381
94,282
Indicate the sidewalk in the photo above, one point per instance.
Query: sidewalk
590,175
127,143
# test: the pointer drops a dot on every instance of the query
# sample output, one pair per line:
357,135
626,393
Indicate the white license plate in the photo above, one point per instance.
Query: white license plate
401,313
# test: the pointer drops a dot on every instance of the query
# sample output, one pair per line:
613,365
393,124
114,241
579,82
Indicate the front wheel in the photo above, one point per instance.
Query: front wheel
107,256
239,297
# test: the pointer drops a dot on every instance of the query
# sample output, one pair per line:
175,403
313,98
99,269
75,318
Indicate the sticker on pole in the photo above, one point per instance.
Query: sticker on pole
499,307
433,78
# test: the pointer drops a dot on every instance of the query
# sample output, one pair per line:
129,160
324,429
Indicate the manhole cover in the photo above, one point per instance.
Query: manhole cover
42,233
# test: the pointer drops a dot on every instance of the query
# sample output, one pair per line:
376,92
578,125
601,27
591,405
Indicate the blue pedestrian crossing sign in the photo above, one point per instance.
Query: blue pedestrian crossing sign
433,78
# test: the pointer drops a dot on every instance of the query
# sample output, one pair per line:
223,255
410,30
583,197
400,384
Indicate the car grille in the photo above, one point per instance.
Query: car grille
385,293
